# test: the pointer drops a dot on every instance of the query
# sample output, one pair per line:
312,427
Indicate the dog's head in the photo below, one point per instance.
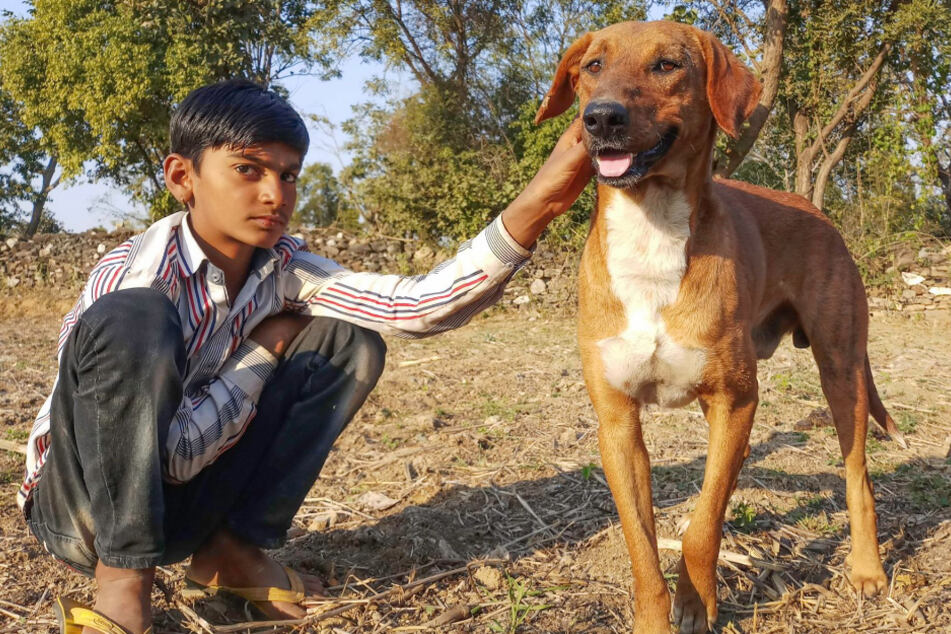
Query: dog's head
649,91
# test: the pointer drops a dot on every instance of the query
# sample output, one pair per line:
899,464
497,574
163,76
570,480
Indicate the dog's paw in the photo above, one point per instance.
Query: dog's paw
691,613
868,583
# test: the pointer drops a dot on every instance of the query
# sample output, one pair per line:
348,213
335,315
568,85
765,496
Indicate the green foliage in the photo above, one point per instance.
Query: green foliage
744,517
319,196
99,79
440,163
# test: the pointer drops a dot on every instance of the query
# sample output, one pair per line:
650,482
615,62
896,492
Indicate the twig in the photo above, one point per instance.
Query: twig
202,624
726,555
406,364
395,590
9,445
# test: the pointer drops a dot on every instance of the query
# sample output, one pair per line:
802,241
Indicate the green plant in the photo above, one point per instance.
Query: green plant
744,517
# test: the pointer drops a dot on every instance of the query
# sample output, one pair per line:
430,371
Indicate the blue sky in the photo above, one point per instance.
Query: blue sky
85,205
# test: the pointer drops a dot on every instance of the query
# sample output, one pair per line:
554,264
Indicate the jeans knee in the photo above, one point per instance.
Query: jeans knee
139,323
369,353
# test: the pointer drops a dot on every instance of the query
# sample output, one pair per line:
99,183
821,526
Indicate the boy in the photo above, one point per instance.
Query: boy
212,361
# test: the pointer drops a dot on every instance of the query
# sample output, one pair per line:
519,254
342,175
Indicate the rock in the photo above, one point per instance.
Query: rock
446,551
423,254
939,290
911,278
360,248
538,287
101,248
521,299
11,242
322,521
339,235
373,501
491,578
12,281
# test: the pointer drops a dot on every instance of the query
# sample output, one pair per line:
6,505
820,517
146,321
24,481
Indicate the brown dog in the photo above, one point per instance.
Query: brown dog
685,282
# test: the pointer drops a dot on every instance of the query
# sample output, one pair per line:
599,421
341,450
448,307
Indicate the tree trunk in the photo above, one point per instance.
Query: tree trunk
828,163
804,155
40,201
777,13
944,175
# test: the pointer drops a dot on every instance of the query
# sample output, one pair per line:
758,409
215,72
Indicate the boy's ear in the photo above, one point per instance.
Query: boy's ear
562,92
178,178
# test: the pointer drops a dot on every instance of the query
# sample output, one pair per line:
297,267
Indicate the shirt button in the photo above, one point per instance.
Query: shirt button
216,277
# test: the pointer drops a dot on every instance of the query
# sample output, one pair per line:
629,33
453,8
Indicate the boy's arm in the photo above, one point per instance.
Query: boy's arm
452,293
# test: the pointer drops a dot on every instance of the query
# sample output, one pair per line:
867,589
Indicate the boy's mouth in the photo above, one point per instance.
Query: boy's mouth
270,221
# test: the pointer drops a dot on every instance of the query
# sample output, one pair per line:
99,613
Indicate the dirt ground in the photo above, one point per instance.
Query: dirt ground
467,495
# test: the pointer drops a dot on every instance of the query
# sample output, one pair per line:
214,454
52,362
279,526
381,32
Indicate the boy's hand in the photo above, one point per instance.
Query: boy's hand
277,331
553,189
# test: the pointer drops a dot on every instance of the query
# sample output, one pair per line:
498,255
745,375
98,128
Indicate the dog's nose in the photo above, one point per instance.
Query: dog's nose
605,118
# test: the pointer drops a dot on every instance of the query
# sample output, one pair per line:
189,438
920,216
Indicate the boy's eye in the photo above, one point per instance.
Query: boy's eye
289,177
244,169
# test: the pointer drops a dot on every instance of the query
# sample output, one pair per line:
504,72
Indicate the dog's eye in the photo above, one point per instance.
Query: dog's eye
594,67
665,65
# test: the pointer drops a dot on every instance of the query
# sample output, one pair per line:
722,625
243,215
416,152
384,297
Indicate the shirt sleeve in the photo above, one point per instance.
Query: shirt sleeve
211,421
409,306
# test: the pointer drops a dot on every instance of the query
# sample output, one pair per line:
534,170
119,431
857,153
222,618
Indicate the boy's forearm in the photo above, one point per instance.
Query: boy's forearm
553,189
525,222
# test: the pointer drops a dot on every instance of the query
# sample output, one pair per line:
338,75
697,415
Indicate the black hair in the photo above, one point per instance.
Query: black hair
235,113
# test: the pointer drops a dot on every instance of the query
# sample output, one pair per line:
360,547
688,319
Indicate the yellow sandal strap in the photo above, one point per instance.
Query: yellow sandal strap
76,614
267,594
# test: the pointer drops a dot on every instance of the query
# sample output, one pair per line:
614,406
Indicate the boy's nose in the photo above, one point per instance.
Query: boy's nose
272,192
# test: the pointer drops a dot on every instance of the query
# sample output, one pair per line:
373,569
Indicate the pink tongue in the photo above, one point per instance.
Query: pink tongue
614,165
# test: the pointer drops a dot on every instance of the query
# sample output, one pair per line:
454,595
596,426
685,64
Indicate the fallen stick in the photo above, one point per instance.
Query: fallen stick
664,543
406,364
9,445
395,590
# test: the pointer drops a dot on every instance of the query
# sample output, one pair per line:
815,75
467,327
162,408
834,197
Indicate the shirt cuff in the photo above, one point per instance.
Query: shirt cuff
503,246
249,367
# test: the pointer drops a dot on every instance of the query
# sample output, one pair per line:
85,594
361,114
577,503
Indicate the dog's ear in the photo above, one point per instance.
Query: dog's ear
562,92
732,91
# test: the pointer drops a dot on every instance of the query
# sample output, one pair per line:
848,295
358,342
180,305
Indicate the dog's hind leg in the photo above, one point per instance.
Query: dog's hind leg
839,350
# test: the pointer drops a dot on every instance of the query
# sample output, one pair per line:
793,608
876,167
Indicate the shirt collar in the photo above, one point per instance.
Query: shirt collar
191,252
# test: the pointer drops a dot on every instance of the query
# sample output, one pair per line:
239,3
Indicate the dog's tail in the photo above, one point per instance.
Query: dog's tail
877,410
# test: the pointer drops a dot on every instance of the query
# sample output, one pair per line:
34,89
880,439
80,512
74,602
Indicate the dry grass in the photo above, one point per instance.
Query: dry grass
502,521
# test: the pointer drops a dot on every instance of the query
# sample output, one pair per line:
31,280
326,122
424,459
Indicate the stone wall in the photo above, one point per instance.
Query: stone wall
905,280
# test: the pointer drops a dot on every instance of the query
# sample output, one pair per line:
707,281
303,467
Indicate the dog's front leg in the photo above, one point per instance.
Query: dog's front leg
628,471
730,415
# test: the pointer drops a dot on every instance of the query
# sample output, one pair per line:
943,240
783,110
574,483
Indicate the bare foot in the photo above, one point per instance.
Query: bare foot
226,560
124,595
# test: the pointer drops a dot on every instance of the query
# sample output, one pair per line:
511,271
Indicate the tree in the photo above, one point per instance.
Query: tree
440,162
319,196
99,78
24,161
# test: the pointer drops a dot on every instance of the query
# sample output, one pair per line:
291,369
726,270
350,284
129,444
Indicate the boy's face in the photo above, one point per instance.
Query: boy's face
239,197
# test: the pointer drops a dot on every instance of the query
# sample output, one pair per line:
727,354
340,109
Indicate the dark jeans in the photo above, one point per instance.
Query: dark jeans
101,495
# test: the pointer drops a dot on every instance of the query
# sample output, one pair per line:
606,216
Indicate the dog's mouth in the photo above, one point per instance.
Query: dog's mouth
618,168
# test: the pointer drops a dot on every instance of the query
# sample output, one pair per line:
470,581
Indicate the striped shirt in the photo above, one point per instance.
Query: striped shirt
225,371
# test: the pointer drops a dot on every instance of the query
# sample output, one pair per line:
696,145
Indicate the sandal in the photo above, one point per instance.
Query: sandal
74,616
255,595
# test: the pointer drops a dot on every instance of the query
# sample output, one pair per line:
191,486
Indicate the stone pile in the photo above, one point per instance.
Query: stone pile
916,281
906,280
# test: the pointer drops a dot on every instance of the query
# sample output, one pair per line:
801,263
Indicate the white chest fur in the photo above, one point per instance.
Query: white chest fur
646,260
